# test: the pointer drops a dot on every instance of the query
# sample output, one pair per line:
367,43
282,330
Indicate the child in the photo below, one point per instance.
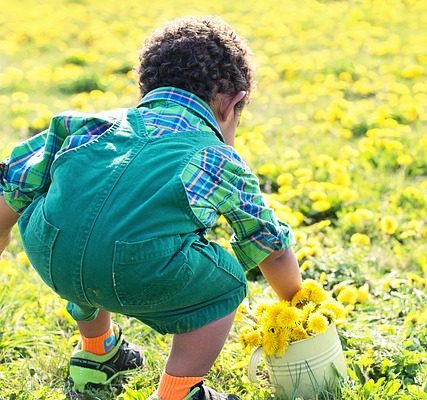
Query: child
113,208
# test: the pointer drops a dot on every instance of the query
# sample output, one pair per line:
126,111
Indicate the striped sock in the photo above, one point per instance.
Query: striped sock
176,387
100,345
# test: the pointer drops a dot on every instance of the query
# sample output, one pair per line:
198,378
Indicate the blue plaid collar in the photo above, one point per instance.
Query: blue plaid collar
185,99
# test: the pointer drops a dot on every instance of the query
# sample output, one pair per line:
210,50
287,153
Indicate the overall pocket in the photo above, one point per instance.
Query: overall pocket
38,238
228,263
150,272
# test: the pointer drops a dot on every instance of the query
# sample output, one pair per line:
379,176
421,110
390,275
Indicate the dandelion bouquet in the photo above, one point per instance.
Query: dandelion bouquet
309,313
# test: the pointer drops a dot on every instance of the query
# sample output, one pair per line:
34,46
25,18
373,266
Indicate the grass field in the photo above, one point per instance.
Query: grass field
336,131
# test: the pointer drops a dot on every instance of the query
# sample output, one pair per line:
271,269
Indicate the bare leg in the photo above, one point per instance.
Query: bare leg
193,353
97,327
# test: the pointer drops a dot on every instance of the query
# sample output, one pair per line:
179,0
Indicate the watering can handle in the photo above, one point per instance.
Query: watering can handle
253,364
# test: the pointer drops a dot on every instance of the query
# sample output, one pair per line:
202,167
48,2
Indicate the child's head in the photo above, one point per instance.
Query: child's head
201,55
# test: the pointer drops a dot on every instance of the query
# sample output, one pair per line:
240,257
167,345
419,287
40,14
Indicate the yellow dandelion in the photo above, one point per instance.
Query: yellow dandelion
317,323
366,360
259,312
267,169
253,338
334,307
288,317
316,195
298,333
386,364
269,317
306,311
348,309
283,339
340,286
250,336
245,330
416,279
361,216
323,277
7,267
330,316
300,298
242,311
307,264
270,343
388,225
404,159
305,251
285,179
315,291
360,239
321,205
63,314
363,293
348,295
19,123
22,258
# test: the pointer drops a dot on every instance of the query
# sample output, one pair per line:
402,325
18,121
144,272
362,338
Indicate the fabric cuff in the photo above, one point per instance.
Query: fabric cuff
252,251
16,200
82,313
2,182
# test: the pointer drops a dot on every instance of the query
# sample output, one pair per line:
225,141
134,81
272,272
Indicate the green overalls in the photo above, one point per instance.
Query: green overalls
115,231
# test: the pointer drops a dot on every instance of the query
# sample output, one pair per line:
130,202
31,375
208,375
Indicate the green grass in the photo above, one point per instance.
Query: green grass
328,72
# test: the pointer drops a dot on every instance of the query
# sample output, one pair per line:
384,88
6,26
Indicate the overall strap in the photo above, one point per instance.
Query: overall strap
136,122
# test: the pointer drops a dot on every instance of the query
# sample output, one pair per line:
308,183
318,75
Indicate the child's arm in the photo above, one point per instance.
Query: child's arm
217,179
281,270
8,218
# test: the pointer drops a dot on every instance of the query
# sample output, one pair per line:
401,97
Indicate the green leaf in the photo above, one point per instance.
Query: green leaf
359,373
417,391
368,387
392,387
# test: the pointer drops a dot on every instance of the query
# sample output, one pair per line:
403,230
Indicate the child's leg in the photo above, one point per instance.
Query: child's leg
97,326
193,353
192,356
98,335
103,355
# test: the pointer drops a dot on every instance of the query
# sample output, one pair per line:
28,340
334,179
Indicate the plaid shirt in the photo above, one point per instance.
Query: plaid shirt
217,180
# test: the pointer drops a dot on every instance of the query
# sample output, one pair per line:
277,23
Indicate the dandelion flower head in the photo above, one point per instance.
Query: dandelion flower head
317,323
288,316
334,307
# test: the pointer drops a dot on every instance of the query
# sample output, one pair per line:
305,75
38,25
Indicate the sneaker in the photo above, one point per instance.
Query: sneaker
202,392
91,371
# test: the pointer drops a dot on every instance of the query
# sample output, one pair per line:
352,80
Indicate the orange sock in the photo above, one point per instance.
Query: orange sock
176,387
100,345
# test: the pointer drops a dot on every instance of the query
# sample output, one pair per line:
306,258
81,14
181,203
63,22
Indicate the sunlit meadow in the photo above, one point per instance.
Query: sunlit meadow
336,131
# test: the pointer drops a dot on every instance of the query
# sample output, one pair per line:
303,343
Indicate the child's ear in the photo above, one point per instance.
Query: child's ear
227,104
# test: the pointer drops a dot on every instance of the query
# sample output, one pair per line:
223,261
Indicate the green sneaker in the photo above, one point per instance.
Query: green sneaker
90,371
202,392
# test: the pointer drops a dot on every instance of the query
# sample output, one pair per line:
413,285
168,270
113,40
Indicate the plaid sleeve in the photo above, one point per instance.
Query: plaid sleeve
2,168
26,174
218,182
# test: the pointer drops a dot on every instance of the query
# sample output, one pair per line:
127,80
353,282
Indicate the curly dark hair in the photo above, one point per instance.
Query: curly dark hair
201,55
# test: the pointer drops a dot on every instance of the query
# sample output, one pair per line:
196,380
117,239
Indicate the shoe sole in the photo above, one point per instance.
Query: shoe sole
72,394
